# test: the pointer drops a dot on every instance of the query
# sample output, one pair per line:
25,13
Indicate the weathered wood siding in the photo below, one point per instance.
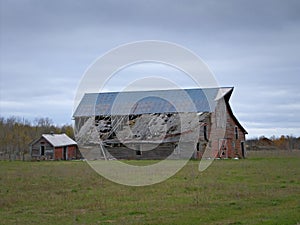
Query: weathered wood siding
204,136
222,138
50,152
162,151
36,149
233,143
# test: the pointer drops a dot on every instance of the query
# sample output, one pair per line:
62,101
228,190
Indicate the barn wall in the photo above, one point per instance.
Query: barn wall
162,151
233,144
58,153
222,138
124,152
72,152
35,149
203,139
218,128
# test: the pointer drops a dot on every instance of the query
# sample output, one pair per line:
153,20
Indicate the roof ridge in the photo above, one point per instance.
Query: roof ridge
171,89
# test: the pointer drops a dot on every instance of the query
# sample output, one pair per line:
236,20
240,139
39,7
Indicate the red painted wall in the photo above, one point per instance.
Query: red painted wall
58,153
71,152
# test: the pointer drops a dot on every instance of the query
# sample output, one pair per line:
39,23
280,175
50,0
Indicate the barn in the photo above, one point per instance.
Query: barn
55,147
143,120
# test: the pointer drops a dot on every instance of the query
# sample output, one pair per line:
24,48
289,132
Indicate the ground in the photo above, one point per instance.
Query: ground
262,189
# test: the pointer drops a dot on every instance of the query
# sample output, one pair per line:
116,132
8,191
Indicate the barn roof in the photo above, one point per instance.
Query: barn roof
57,140
143,102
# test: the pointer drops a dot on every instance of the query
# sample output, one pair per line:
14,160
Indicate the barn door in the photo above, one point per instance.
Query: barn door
42,150
243,149
223,149
65,153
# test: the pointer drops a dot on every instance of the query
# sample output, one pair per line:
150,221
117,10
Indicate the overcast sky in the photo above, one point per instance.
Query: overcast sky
46,46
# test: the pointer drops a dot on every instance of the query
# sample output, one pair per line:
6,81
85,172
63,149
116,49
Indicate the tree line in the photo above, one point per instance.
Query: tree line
284,142
17,133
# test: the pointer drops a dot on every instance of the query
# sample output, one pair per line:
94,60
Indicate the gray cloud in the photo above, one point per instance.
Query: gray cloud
252,45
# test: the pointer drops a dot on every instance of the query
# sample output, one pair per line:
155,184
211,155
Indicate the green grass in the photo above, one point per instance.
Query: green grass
258,190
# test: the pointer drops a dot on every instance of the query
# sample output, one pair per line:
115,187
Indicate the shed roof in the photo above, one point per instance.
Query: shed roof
143,102
58,140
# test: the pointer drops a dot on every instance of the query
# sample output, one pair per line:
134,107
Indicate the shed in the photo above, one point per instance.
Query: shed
54,146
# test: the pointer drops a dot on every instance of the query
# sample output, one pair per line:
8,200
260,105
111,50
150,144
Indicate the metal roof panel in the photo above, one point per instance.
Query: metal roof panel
58,140
143,102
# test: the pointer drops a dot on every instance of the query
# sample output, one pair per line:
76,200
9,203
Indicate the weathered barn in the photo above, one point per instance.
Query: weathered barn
54,146
146,124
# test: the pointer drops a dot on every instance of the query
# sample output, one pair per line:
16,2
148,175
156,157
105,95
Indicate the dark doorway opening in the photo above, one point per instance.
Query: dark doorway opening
42,150
243,149
65,153
205,133
198,146
138,152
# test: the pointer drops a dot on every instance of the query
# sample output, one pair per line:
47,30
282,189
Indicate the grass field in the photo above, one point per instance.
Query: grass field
263,189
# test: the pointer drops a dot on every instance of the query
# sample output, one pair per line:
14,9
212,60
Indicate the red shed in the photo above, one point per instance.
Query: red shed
54,146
